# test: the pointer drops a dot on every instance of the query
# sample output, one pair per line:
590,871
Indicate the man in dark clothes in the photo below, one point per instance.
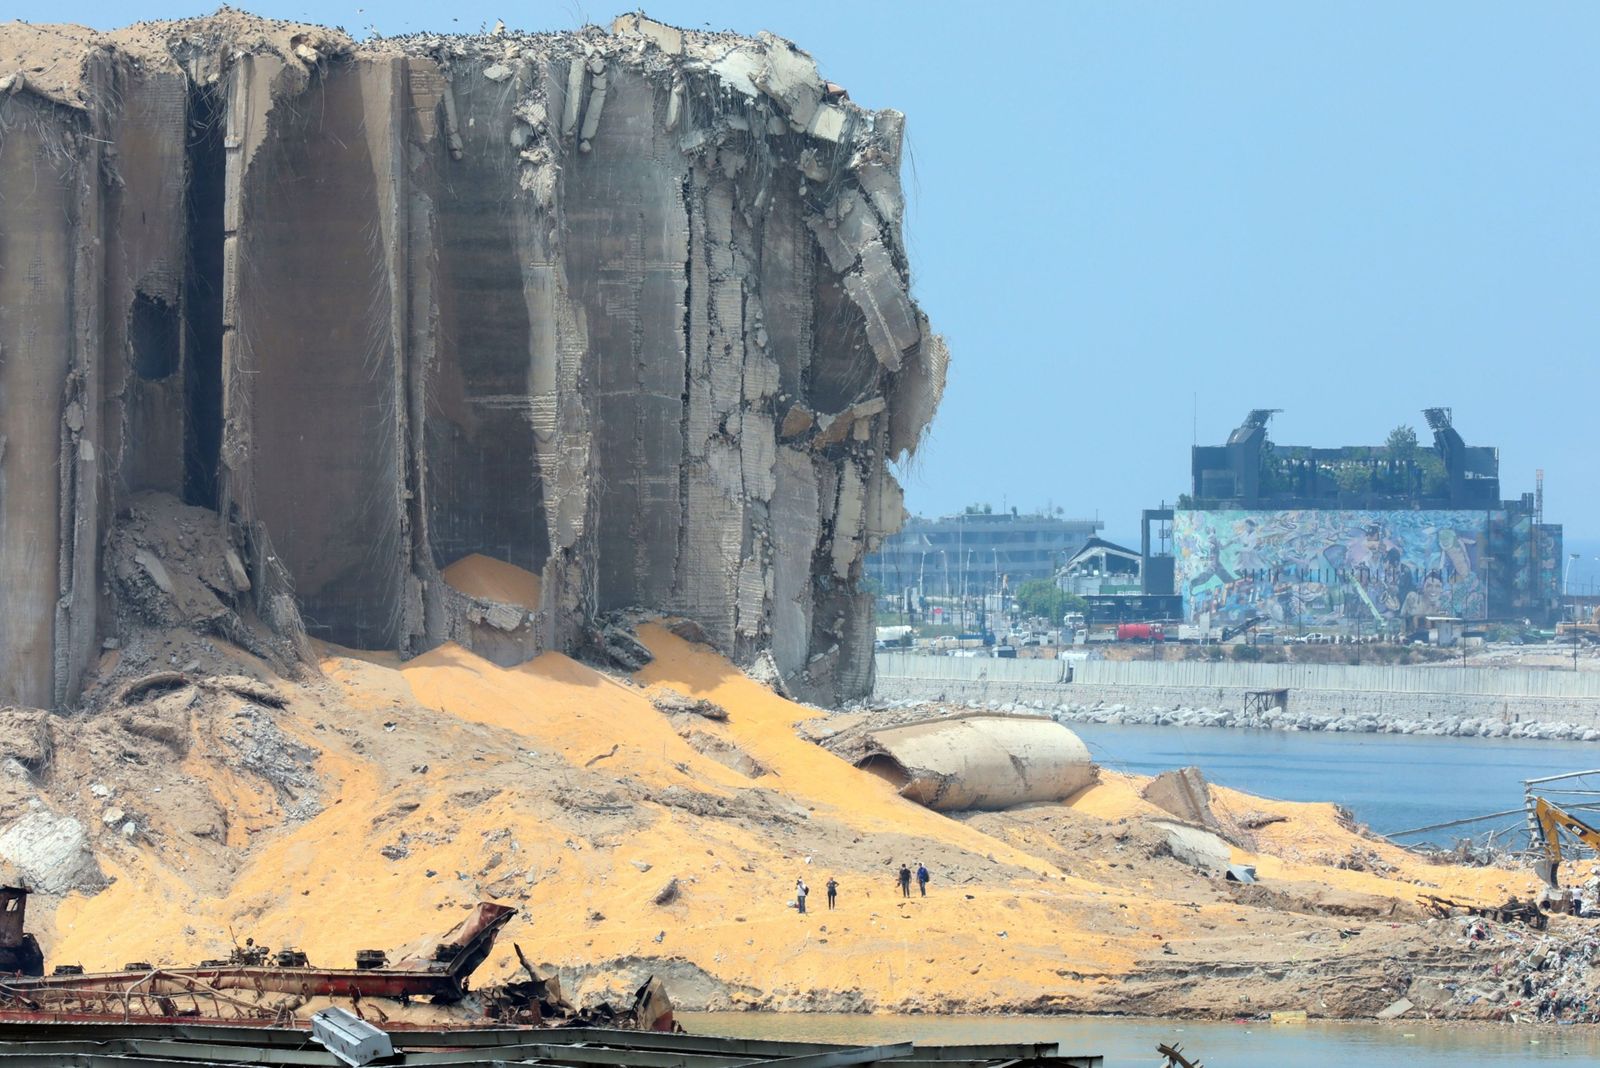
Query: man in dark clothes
905,881
922,878
833,890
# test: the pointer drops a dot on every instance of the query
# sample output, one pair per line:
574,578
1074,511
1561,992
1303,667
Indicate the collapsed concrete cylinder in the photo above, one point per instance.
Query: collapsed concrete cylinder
371,306
981,761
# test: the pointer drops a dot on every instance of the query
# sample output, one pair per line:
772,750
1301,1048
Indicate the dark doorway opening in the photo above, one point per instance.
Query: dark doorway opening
153,330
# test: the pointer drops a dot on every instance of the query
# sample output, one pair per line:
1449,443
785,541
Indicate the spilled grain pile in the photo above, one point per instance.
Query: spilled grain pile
637,837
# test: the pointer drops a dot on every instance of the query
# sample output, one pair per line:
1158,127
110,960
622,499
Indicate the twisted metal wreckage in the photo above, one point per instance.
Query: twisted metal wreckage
195,1016
238,990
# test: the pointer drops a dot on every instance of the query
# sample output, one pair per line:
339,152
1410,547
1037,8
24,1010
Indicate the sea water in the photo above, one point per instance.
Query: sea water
1391,782
1131,1042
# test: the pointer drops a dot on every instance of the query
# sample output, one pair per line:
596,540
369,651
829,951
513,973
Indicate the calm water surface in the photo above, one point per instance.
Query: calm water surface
1392,782
1131,1043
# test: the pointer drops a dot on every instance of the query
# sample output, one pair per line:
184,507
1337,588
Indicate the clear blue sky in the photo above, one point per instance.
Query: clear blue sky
1121,213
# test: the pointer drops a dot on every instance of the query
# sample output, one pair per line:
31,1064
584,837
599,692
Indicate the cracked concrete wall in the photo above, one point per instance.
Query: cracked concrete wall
38,167
628,309
315,310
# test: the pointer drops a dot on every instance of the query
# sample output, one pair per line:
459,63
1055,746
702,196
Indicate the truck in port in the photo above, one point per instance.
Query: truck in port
1140,632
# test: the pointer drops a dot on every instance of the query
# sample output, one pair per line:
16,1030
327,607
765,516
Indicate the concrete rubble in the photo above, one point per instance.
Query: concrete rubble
626,308
51,852
1185,793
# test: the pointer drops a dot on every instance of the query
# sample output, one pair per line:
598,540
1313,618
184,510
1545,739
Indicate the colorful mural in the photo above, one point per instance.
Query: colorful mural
1526,567
1332,570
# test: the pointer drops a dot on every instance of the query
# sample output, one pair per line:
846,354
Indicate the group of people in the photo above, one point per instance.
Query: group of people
922,880
801,890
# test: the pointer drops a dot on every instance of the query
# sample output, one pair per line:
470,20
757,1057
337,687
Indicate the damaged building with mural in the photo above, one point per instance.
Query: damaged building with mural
289,324
1362,539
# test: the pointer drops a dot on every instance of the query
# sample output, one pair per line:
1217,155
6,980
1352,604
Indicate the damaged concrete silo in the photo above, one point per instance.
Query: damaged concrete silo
626,309
980,761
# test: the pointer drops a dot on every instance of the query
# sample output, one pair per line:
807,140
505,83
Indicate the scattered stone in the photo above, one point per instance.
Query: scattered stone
673,703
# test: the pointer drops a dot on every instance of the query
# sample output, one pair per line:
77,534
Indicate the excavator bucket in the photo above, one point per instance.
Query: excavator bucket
1545,868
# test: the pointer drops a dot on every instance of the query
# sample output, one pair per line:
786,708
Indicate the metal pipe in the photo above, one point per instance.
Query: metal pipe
1455,823
1556,778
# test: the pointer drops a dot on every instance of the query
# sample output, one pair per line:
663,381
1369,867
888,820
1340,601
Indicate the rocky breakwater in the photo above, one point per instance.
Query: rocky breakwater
1279,719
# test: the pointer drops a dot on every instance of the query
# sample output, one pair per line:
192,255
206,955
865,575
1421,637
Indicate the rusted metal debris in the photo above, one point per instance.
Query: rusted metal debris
228,990
152,992
19,950
538,1001
1175,1057
1515,910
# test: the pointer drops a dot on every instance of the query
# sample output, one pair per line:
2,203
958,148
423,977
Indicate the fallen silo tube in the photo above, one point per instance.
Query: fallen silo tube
980,761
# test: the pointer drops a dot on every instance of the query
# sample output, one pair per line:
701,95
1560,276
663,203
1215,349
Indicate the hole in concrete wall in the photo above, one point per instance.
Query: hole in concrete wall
153,332
202,297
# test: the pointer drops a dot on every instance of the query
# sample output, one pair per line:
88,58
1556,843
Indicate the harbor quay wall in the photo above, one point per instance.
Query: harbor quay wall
1451,700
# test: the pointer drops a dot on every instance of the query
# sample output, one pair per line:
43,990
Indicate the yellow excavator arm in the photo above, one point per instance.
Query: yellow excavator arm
1552,821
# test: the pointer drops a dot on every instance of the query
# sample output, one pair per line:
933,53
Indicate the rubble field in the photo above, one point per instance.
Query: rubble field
654,821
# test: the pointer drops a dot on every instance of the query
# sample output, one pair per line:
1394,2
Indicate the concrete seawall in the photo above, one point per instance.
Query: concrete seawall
1443,699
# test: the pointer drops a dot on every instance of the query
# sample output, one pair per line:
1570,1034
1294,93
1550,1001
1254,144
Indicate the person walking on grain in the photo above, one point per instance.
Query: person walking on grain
800,892
905,881
922,878
833,890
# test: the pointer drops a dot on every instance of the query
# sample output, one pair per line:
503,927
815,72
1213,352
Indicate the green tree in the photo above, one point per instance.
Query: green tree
1402,448
1402,443
1042,597
1353,478
1274,477
1435,482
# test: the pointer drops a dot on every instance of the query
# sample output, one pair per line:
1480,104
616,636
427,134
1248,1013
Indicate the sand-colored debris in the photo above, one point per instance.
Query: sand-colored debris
489,579
383,798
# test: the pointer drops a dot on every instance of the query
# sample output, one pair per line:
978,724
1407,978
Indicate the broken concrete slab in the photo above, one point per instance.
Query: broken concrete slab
667,38
1183,792
1395,1009
52,852
1195,846
879,291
